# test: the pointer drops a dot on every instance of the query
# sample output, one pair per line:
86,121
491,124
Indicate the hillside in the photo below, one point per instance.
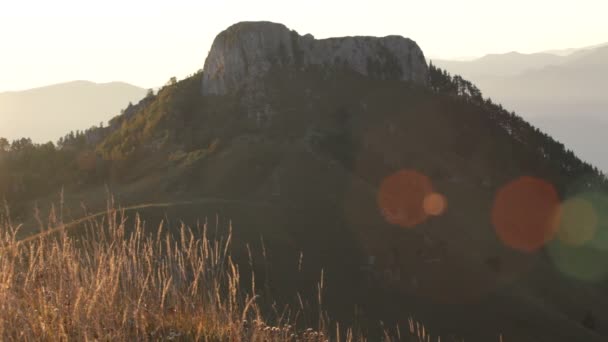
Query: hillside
47,113
414,194
551,91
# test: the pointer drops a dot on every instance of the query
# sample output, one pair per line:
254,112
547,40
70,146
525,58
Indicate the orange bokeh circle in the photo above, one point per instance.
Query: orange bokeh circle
401,198
435,204
526,213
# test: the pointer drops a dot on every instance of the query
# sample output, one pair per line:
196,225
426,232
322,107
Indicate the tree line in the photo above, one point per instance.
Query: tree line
544,146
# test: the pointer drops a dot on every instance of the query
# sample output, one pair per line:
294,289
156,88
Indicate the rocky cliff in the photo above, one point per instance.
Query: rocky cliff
247,51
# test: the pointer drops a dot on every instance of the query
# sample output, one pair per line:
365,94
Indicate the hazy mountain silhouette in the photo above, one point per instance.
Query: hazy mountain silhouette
508,64
514,63
46,113
555,92
566,52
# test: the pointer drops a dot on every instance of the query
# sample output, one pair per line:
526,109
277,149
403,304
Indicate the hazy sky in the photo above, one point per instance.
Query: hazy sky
146,42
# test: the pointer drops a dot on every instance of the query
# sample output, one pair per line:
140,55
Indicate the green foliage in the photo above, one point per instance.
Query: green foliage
29,170
155,119
442,82
186,159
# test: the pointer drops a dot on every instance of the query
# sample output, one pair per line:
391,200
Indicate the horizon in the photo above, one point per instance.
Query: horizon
146,43
428,58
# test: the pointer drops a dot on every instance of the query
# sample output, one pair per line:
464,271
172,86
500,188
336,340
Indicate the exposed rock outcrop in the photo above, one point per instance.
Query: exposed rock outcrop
246,51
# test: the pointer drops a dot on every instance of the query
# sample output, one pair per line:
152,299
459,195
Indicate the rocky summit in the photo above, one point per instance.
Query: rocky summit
246,51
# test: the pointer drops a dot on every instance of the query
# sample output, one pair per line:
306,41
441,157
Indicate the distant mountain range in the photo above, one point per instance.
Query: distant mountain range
46,113
563,92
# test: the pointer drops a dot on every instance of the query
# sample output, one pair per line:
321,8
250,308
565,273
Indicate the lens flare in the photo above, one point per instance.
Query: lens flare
581,262
525,213
401,198
435,204
578,222
581,250
599,204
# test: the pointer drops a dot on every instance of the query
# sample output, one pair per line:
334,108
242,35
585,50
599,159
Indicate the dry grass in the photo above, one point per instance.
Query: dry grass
115,283
112,282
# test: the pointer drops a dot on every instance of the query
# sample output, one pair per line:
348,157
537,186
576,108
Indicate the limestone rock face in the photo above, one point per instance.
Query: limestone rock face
246,51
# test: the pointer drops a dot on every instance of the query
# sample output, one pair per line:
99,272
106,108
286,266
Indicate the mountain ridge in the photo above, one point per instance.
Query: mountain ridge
70,83
569,89
46,113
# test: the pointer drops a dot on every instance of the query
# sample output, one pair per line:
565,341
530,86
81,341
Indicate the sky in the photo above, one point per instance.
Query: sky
145,43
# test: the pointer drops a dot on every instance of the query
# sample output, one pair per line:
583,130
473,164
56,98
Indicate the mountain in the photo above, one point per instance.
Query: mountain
252,49
514,63
551,91
508,64
566,52
44,114
412,193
